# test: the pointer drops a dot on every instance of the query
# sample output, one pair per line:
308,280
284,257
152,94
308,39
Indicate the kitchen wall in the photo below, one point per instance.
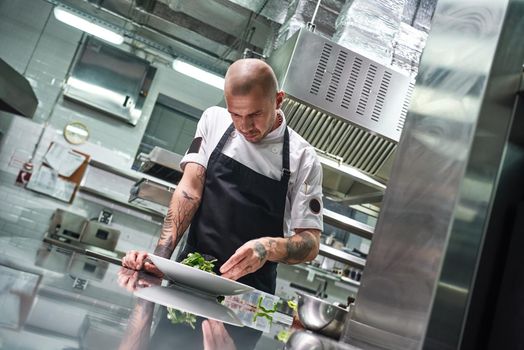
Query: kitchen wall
24,213
42,48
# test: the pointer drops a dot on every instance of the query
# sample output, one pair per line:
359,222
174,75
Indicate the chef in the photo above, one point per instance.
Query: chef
251,187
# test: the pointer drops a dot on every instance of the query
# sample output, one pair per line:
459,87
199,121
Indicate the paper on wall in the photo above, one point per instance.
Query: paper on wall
47,181
64,160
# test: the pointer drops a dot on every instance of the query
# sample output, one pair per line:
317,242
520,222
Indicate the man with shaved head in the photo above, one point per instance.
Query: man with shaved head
251,188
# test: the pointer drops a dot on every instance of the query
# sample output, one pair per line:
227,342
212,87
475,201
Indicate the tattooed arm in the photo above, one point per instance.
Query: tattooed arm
301,247
136,336
184,204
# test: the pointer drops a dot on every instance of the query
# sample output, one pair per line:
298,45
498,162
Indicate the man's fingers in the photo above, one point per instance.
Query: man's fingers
140,259
152,269
134,259
129,259
237,271
239,255
209,339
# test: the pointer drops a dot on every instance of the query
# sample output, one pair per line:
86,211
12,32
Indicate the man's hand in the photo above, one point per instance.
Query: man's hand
137,260
216,337
301,247
247,259
131,279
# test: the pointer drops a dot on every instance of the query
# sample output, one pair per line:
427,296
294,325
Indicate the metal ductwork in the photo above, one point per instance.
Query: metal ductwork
16,94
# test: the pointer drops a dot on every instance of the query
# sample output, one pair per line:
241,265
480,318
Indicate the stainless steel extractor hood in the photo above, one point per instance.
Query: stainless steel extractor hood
352,109
342,83
16,94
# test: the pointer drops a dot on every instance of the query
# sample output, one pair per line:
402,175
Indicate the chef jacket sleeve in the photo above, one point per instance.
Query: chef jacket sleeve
306,194
198,150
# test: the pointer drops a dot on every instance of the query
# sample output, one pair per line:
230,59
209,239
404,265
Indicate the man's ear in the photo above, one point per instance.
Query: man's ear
280,99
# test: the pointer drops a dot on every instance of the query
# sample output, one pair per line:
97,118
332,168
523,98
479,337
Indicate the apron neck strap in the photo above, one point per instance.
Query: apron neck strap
225,137
286,173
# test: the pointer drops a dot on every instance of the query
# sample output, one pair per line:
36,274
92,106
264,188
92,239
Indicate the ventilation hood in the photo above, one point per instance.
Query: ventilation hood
349,107
16,94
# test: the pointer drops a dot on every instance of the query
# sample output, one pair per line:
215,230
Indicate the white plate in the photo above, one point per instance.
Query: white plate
186,301
198,279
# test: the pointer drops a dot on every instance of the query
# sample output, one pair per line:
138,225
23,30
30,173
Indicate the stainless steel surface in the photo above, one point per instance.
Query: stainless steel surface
72,228
347,224
110,80
348,185
66,225
163,164
104,315
156,211
112,257
342,83
338,139
100,235
321,316
16,94
147,190
305,340
423,260
126,173
338,255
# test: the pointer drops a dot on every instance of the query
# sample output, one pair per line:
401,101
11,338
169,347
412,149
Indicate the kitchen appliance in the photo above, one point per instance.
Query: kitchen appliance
162,164
100,235
16,94
71,228
321,316
110,80
349,107
85,267
67,226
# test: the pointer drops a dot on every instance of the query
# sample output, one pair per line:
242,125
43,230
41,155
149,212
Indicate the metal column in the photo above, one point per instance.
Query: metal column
428,244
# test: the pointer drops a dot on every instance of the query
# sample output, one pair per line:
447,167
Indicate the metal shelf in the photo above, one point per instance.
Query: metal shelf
338,255
347,224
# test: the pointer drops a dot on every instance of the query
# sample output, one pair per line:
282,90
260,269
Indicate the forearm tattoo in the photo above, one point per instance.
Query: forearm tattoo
261,251
299,246
177,220
138,329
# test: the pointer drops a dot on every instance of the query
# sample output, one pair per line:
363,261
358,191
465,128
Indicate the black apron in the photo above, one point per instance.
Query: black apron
238,205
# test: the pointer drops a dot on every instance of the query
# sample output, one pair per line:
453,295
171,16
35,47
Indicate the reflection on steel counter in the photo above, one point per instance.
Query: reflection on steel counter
195,321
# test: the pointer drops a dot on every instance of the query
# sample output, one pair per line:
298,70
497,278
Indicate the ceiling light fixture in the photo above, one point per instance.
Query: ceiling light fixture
83,24
198,73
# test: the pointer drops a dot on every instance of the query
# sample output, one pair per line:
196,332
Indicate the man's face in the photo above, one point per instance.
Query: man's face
254,114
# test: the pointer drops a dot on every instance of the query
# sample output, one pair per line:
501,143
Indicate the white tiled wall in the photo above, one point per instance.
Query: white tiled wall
42,48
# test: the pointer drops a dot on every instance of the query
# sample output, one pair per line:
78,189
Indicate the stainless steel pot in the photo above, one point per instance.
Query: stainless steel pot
321,316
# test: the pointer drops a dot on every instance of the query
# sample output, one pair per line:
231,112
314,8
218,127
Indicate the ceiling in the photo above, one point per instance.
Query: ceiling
211,33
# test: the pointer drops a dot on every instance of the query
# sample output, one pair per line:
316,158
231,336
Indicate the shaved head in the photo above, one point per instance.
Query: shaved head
245,75
252,98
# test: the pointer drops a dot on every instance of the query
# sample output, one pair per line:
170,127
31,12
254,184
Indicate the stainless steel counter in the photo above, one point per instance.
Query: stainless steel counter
92,305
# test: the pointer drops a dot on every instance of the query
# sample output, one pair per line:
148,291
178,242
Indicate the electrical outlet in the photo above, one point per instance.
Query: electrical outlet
105,216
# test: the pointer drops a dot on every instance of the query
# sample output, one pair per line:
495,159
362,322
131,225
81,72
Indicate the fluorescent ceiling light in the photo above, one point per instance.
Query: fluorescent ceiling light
198,73
83,24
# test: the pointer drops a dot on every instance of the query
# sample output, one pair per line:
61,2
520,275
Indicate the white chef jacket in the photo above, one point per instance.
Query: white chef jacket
304,196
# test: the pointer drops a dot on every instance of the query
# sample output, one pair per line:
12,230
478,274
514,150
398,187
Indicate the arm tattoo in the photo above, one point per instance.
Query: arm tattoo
138,329
261,251
299,247
178,218
187,196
